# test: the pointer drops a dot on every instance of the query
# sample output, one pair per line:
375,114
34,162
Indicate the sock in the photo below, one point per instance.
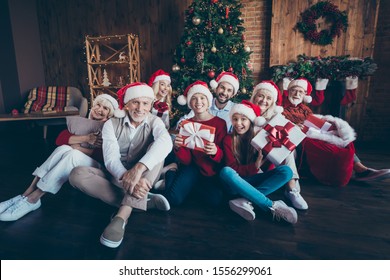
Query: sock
318,98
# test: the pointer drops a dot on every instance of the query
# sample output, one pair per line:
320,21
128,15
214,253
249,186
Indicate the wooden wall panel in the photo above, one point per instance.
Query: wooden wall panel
359,40
64,25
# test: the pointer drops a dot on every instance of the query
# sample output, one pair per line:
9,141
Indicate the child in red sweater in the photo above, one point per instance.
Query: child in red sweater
198,169
242,174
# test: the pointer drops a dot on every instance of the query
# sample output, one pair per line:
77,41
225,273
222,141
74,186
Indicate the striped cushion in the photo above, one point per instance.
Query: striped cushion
45,99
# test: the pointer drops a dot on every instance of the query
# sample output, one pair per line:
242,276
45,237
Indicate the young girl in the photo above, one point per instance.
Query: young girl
160,82
54,172
242,173
267,95
197,168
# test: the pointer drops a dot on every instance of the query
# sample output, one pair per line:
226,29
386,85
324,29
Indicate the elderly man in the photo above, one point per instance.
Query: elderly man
134,150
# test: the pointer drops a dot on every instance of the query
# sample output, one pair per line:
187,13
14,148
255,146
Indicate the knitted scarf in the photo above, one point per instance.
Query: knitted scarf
296,114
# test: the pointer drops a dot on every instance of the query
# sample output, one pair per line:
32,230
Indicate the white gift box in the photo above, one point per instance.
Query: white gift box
278,138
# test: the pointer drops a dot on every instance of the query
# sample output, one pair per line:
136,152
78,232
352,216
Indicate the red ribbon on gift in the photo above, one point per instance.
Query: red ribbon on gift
161,107
278,137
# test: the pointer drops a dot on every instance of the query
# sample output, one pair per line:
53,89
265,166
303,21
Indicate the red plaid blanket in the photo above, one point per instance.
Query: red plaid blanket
47,99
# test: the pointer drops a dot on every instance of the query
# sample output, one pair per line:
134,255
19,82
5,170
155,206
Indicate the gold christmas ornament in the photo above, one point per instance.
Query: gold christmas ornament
234,50
175,68
196,20
247,49
243,90
220,30
214,49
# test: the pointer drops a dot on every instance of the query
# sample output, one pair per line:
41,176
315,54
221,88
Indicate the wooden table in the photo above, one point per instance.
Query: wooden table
37,116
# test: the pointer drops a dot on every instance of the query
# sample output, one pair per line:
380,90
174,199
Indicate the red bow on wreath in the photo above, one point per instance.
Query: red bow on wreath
161,107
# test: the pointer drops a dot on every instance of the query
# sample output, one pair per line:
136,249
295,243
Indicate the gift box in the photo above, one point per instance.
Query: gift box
278,138
196,135
318,124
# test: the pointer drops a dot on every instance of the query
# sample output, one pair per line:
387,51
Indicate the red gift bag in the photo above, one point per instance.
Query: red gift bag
329,164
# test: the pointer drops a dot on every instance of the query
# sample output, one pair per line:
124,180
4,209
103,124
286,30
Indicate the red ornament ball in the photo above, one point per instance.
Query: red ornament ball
214,1
230,69
230,28
15,112
188,43
182,60
211,74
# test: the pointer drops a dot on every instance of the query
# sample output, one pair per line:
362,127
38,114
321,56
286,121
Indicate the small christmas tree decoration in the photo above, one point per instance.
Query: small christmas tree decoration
234,50
243,90
213,49
230,69
188,43
175,68
196,20
106,81
220,30
211,74
183,60
247,49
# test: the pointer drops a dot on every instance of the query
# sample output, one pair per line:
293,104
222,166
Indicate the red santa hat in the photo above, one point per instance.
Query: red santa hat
196,87
228,77
271,87
250,110
114,110
132,91
159,75
305,84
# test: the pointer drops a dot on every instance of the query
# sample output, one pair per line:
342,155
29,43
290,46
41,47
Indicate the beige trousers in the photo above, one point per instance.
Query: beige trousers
94,182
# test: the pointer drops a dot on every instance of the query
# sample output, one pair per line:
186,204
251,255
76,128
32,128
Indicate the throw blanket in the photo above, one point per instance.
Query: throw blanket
46,99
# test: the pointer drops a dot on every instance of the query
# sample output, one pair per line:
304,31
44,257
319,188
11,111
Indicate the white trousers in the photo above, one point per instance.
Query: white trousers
54,172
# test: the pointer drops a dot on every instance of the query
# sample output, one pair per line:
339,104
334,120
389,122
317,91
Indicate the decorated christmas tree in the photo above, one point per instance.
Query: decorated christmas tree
213,41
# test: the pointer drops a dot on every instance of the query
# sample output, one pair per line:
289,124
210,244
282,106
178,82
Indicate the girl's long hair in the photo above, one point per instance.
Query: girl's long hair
168,97
243,151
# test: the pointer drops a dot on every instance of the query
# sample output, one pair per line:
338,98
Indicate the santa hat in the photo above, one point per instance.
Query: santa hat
271,87
226,77
159,75
250,110
305,84
196,87
112,101
131,91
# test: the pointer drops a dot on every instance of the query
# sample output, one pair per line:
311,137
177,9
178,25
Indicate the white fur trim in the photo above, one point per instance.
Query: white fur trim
109,98
199,89
307,99
119,113
269,87
298,83
286,82
231,80
138,91
162,78
341,137
243,110
351,82
321,84
278,109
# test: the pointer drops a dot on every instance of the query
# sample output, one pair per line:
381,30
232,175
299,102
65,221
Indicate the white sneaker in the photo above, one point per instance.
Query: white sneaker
19,209
243,207
279,210
6,204
296,199
157,201
159,185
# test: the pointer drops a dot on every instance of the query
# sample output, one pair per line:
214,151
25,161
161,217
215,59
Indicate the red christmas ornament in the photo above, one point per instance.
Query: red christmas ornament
190,11
183,60
188,43
213,1
15,112
211,74
230,69
227,11
230,28
243,37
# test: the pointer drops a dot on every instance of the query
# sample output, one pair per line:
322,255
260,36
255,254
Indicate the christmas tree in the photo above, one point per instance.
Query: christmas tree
213,41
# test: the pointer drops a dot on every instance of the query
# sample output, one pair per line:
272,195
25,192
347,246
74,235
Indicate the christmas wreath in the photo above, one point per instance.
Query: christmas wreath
330,12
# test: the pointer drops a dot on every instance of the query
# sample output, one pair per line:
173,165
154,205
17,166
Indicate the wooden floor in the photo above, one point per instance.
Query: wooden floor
342,223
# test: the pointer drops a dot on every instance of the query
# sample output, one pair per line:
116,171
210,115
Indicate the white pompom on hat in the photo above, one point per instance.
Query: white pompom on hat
228,77
250,110
196,87
132,91
159,75
306,85
115,106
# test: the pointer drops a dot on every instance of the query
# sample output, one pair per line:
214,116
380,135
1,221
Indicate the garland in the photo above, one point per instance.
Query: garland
307,26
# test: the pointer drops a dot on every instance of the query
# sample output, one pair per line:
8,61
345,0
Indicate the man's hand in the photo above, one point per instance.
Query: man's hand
132,177
142,188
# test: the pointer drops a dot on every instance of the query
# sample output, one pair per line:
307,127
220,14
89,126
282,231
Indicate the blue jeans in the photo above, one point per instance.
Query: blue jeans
255,188
179,184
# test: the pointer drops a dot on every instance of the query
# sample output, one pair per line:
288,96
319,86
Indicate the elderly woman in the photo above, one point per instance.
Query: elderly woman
73,150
